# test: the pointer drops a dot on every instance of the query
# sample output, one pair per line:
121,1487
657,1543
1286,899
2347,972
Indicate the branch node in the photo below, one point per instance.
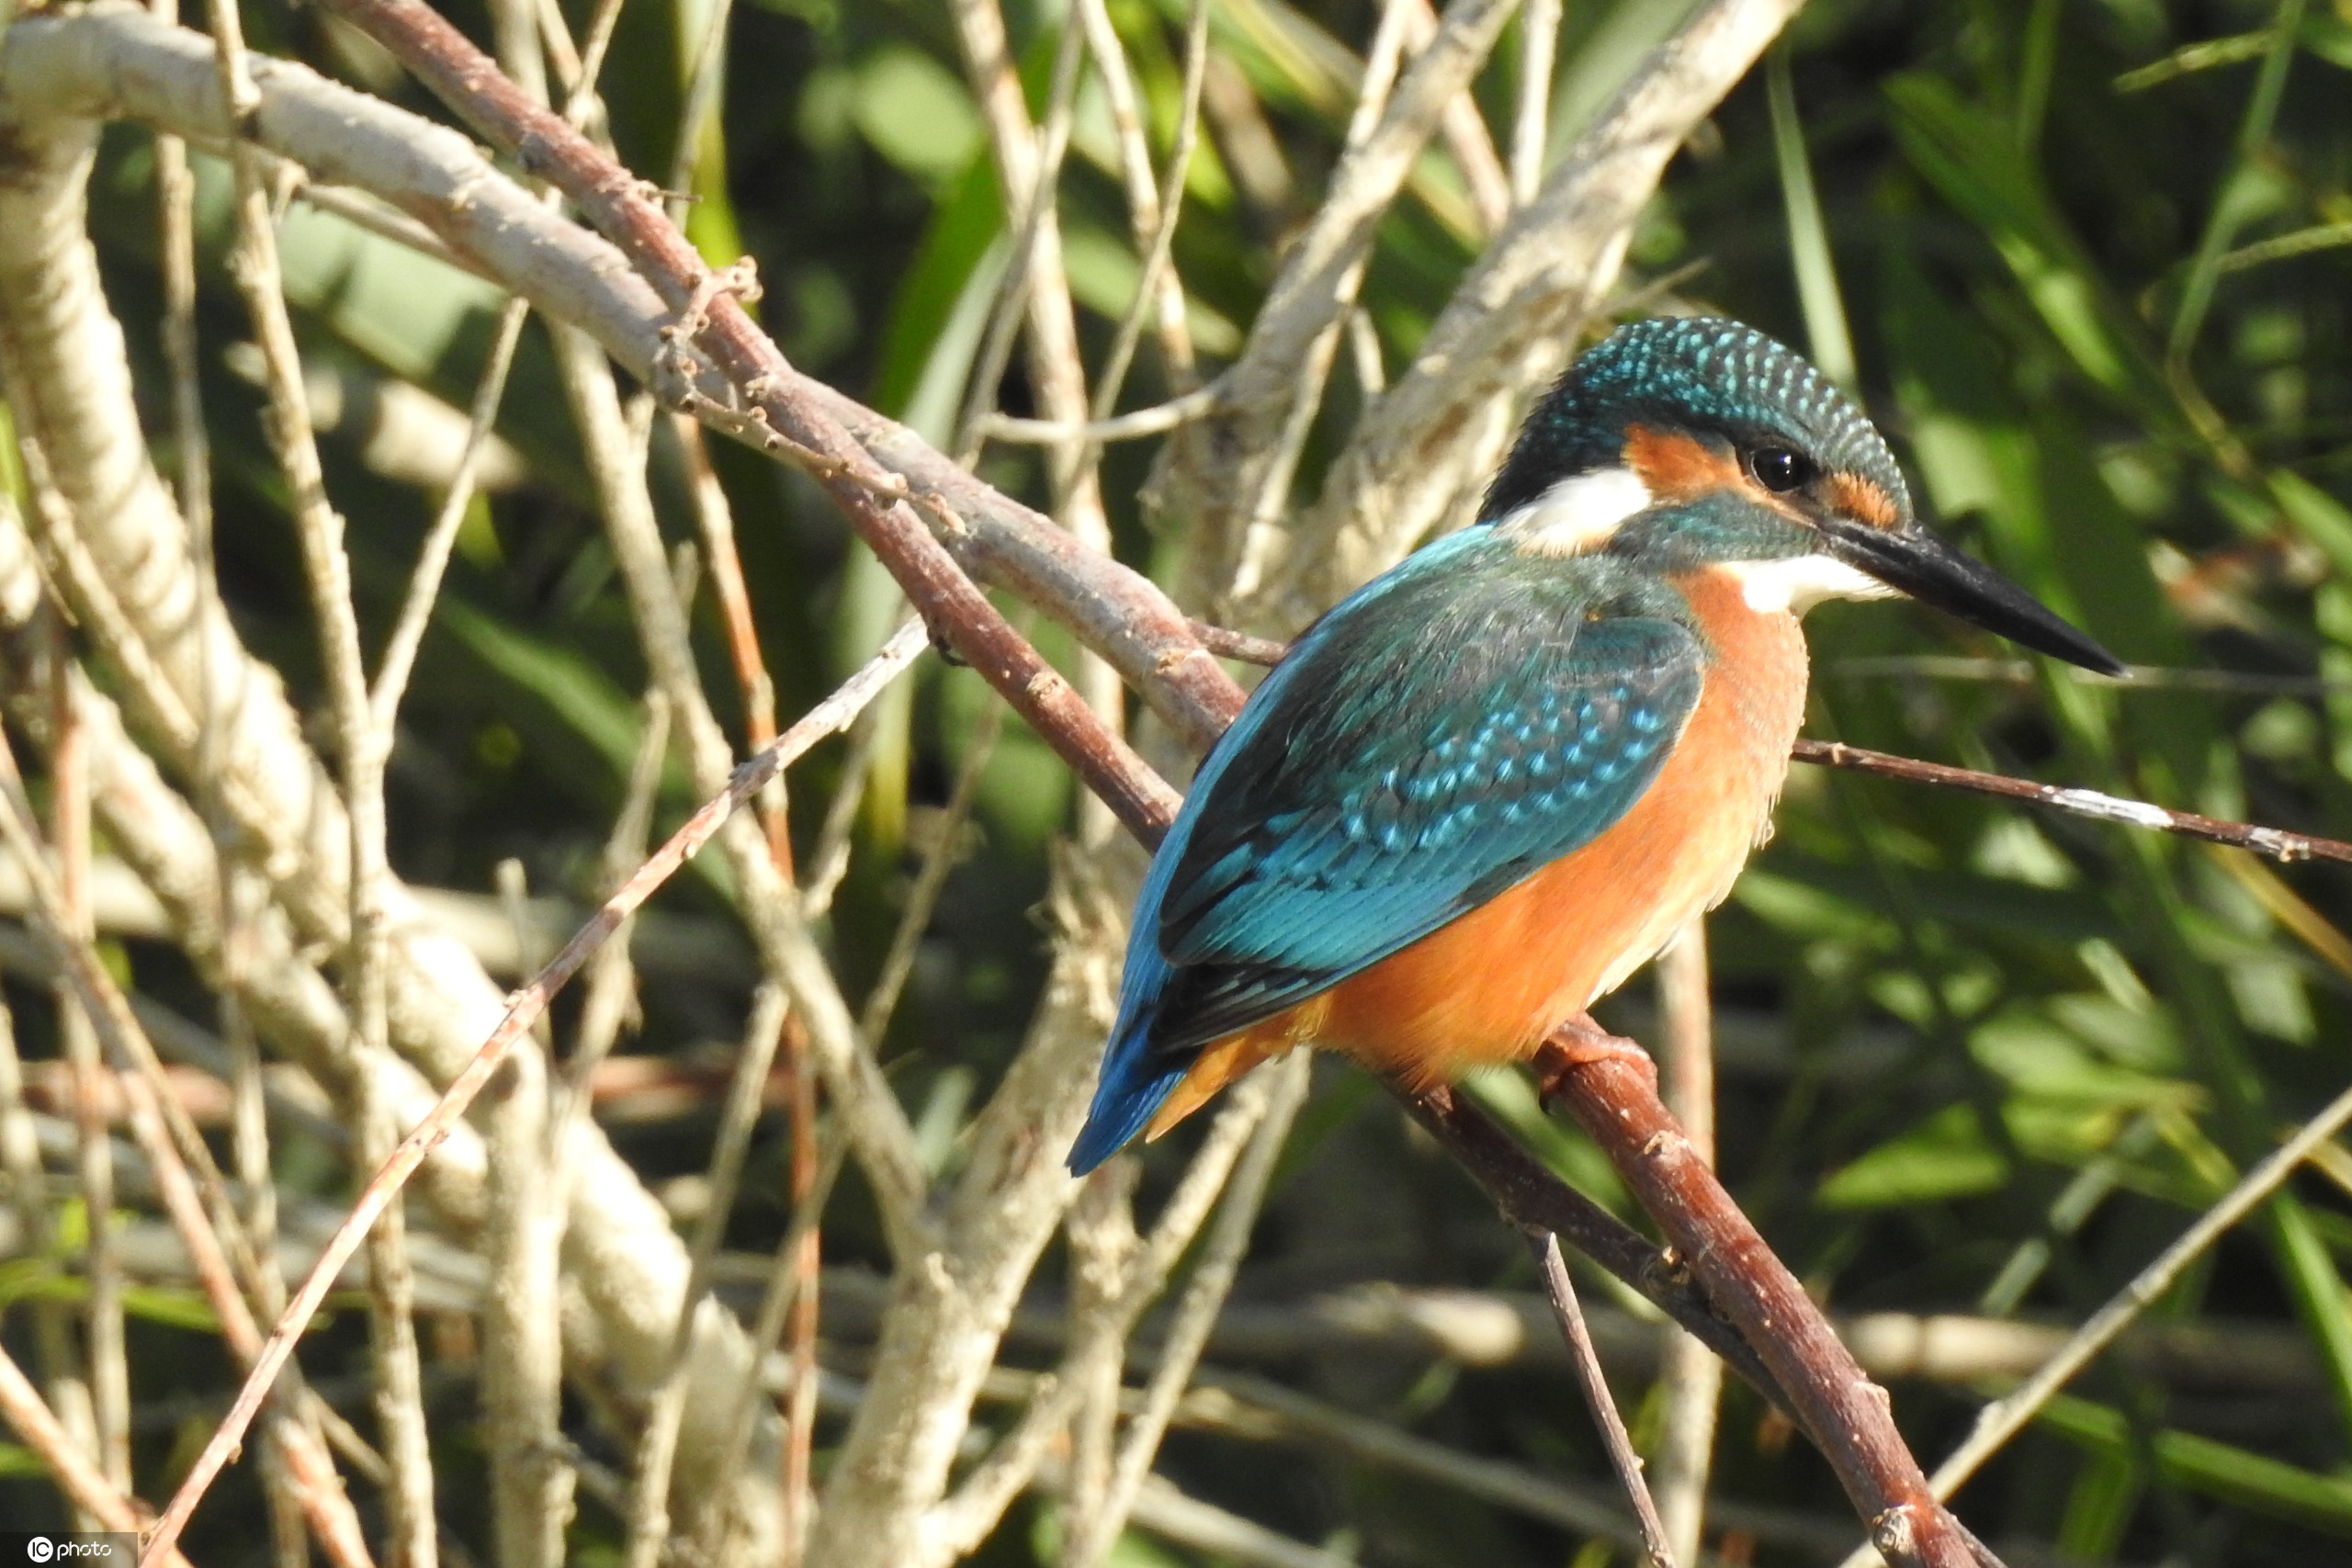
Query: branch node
740,277
1896,1533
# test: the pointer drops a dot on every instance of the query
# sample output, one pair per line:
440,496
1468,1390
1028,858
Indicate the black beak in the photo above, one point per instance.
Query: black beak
1912,560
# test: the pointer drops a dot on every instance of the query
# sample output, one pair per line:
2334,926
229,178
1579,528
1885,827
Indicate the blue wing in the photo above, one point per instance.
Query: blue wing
1447,731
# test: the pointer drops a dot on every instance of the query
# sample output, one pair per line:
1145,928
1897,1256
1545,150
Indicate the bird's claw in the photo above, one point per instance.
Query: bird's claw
1580,1043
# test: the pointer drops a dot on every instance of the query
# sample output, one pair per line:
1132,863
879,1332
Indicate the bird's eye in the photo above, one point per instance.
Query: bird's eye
1779,469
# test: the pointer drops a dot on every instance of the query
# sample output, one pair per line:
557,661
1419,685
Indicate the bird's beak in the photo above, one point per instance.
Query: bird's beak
1912,560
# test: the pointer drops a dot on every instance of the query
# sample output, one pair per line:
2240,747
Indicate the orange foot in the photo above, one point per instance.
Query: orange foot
1580,1043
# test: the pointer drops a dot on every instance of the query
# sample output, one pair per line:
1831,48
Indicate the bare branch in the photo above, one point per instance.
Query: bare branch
1691,1380
529,1005
1553,1271
1610,1088
89,1489
1434,436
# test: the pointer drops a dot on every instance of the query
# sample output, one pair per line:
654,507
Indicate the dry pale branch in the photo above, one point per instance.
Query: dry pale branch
1690,1381
118,548
1230,467
32,1420
1435,436
529,1004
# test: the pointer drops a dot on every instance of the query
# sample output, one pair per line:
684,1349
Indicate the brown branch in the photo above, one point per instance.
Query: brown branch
530,1003
1611,1087
2275,842
879,505
1562,1292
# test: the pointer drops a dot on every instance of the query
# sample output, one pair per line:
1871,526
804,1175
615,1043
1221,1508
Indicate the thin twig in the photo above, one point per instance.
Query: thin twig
1691,1380
1266,484
1539,38
1470,143
779,1301
1157,420
648,1522
425,580
715,523
531,1483
529,1003
83,1483
1150,213
207,1224
1195,1315
1562,1292
1612,1089
2274,842
2005,1418
364,746
106,1356
829,861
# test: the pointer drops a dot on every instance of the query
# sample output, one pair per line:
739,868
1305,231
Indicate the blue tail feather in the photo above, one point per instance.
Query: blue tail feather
1136,1080
1125,1103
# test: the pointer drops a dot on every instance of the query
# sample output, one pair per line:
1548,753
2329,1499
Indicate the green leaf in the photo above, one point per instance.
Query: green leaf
916,113
1945,1157
2218,1470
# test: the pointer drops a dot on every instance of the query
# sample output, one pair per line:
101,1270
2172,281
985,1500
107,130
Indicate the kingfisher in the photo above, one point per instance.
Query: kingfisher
1497,778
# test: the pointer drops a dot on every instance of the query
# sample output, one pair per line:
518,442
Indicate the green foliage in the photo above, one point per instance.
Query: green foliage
2088,264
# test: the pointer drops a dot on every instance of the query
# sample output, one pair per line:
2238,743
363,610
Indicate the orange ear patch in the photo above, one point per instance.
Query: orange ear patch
1864,500
1675,467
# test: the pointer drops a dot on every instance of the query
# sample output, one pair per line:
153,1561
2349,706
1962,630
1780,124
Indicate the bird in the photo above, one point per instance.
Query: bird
1486,786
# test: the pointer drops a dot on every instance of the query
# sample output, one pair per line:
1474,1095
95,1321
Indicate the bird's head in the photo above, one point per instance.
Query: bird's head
1687,441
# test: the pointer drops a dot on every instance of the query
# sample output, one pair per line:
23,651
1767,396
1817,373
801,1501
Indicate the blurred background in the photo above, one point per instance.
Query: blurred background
2088,264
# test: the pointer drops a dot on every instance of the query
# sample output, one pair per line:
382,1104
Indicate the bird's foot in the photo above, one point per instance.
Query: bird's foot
1580,1043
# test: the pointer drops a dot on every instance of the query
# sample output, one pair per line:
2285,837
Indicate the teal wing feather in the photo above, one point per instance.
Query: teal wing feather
1450,729
1418,775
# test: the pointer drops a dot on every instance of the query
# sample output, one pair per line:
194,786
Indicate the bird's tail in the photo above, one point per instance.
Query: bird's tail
1136,1080
1134,1085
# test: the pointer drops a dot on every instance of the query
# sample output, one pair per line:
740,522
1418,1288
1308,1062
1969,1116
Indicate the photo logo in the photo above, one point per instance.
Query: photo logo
40,1548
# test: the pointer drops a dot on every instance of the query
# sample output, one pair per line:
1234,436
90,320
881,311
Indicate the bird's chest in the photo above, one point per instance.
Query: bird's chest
1753,703
1617,901
1490,985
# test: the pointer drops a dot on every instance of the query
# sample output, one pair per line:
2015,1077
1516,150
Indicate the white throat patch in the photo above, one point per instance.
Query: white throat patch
1578,512
1796,584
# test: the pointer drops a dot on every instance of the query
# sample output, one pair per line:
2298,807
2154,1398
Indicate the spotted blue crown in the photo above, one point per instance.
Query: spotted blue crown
1690,372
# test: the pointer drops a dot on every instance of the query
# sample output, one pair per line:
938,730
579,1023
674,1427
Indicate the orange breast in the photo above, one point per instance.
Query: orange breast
1489,986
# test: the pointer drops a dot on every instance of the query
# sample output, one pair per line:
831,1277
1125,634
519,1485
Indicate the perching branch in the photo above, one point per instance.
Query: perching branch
1612,1089
899,493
